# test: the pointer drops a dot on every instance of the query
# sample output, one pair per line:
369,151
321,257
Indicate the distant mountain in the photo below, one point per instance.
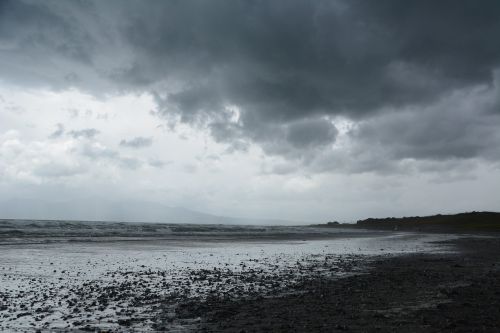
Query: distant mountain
123,211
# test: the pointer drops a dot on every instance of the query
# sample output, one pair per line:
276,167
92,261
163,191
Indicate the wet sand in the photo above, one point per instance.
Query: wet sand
410,293
147,284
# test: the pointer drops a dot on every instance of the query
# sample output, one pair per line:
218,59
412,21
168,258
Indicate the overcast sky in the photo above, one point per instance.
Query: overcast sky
301,110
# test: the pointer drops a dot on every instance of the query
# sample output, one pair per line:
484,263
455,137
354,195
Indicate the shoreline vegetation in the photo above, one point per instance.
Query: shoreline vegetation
469,222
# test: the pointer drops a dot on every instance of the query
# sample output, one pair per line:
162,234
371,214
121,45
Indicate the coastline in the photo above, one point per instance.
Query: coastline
148,285
279,281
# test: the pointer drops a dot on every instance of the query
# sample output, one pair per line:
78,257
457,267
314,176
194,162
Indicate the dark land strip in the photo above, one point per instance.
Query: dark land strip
463,223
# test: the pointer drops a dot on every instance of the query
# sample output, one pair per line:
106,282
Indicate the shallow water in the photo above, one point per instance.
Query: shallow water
95,284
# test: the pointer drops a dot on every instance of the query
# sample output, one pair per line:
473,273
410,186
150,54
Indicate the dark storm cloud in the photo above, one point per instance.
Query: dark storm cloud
289,67
297,58
297,139
57,44
452,132
460,126
137,142
287,63
311,133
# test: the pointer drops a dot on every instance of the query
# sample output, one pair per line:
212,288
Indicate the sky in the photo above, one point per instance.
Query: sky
285,109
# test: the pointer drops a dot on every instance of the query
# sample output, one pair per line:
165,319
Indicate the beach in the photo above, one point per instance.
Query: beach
82,277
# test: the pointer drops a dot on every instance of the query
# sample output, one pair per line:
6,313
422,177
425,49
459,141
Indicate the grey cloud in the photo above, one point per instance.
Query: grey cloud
284,63
157,163
212,157
190,168
292,140
96,152
137,142
308,56
301,57
447,136
309,133
280,168
287,65
74,113
237,145
459,127
58,44
84,133
300,139
56,170
58,132
445,139
129,162
448,171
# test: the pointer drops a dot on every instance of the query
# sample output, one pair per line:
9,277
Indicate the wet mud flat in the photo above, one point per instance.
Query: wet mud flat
176,286
418,292
147,299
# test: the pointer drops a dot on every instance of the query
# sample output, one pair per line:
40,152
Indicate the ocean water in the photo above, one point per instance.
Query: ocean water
97,275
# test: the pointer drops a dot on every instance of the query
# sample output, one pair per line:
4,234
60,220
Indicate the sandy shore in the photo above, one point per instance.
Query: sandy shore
146,284
410,293
375,282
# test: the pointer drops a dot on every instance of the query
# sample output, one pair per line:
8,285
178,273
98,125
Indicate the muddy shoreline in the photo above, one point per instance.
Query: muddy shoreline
413,293
404,281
